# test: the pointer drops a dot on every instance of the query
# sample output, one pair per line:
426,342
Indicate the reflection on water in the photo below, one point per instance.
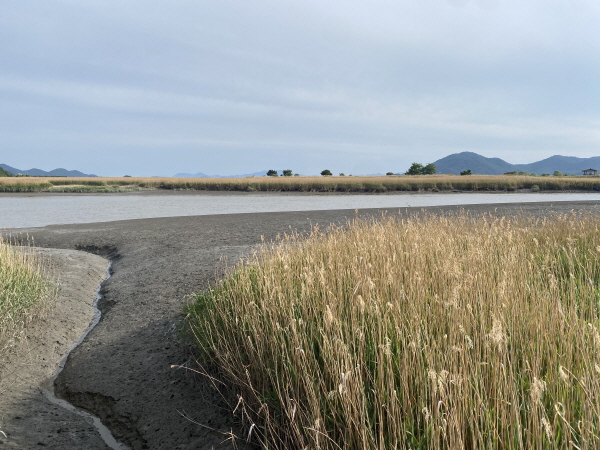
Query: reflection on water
23,212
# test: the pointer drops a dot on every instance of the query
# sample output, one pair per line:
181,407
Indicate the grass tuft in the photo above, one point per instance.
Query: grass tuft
25,291
424,333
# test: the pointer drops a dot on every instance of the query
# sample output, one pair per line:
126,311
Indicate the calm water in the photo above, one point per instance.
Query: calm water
36,211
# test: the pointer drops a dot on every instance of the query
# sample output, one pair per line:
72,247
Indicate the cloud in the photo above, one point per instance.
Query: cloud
212,82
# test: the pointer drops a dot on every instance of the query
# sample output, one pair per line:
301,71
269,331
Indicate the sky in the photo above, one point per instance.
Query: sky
153,88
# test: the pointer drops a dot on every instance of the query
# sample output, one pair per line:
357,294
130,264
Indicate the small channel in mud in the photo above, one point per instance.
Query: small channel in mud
49,390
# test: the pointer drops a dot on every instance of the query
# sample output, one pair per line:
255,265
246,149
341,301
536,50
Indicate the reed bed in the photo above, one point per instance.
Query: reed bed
374,184
424,333
25,291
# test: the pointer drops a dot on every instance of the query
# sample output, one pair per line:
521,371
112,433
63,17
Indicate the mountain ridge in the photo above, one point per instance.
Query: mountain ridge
60,172
478,164
451,164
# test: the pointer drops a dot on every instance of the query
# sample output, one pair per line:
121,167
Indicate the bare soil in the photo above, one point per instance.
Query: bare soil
123,370
27,417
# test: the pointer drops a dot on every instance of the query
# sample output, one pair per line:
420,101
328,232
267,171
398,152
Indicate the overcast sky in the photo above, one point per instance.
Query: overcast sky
147,87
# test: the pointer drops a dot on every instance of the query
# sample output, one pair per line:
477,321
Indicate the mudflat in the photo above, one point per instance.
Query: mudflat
131,370
28,419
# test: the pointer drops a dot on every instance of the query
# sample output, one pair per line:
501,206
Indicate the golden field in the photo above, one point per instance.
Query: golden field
424,333
374,184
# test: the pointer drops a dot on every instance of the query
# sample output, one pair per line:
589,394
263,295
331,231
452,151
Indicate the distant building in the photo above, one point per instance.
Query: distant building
590,172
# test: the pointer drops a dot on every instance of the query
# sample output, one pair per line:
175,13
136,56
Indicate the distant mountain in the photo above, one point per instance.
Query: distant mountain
458,162
478,164
570,165
42,173
194,175
10,169
203,175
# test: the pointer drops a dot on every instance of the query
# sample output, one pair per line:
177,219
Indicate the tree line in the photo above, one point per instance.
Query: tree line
415,169
420,169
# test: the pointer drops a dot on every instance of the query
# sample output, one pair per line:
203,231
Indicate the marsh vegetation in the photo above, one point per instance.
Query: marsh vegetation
25,291
373,184
429,332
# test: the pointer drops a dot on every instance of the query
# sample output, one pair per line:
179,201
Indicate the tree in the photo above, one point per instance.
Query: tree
415,169
342,174
429,169
466,172
287,172
272,173
5,173
326,173
558,173
389,173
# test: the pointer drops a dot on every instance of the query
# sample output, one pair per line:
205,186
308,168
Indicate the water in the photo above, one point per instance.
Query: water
23,211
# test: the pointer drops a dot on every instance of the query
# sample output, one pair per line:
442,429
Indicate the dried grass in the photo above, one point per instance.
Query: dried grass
25,291
422,333
374,184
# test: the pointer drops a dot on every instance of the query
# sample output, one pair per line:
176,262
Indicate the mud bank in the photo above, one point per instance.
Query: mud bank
27,417
122,371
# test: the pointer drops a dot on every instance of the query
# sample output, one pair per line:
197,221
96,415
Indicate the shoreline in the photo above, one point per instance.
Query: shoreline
232,193
226,193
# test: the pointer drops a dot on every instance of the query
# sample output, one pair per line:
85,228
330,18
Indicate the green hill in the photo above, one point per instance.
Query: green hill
478,164
4,173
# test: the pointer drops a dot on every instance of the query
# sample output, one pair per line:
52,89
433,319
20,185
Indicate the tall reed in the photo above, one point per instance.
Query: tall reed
25,290
367,184
424,333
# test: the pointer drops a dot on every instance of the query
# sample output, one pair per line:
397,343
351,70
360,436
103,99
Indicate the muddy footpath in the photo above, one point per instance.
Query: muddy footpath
134,370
